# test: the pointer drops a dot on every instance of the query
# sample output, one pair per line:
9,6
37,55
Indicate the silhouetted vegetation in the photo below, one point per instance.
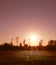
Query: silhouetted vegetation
51,45
24,46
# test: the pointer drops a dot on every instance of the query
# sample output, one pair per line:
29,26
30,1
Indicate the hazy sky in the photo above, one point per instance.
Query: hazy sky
20,17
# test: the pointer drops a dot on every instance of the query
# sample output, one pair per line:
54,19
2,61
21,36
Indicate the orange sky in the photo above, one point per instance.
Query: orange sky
21,17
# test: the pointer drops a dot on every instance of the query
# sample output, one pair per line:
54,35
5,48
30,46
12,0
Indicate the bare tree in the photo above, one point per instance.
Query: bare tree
17,38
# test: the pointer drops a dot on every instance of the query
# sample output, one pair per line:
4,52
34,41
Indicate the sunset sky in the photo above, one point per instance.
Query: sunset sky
22,17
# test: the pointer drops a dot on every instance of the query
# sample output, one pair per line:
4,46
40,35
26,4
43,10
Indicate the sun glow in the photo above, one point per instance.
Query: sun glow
33,39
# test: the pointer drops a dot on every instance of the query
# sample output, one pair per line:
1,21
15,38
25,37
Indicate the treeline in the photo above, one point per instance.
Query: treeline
9,46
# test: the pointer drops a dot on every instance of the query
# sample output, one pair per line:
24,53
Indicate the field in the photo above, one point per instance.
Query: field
33,57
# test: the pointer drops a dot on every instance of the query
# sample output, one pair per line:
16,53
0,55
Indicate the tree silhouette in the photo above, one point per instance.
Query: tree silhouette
50,43
40,43
20,44
25,45
55,43
11,43
17,38
24,42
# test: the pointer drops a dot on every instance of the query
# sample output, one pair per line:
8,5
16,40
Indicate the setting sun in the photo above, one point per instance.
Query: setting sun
33,39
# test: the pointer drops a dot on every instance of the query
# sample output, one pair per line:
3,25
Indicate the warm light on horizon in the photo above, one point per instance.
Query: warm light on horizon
33,38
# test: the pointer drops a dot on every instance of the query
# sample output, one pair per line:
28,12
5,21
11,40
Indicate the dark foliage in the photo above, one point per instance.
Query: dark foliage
9,46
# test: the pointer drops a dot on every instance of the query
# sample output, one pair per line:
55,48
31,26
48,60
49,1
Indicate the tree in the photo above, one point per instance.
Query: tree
40,43
11,43
17,38
24,42
55,43
50,43
20,44
25,45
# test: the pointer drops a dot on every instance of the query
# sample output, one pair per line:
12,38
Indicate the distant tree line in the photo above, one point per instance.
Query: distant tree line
24,46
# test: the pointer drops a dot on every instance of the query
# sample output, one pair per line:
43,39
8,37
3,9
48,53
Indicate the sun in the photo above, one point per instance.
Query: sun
33,39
